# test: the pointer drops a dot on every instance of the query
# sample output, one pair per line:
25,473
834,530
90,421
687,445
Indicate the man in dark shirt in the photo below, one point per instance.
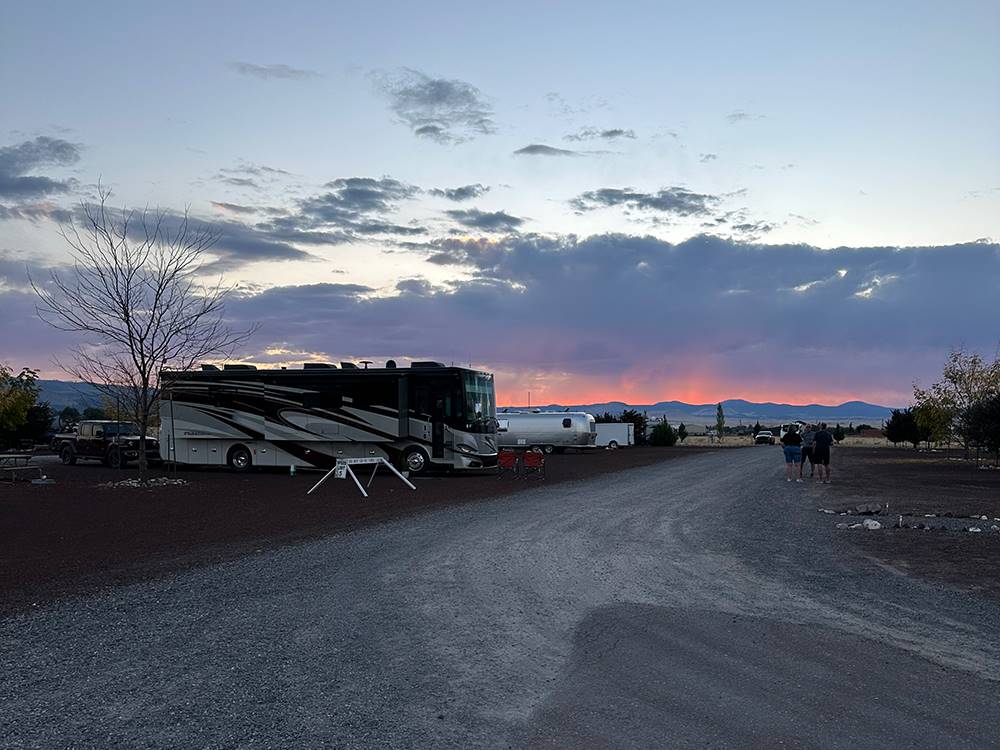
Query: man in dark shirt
822,441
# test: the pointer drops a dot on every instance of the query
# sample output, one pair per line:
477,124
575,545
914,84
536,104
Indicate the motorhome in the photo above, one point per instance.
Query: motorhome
615,435
419,417
547,431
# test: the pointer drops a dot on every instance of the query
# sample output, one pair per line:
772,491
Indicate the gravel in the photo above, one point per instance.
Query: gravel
742,619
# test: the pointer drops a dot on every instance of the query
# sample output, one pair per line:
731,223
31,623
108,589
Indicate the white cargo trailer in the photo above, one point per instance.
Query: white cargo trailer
615,434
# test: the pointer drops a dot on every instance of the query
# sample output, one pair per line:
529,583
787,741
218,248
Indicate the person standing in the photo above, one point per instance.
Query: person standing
822,441
792,442
807,451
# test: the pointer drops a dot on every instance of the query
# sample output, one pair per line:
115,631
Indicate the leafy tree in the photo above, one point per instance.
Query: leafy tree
902,428
38,423
640,421
663,435
17,395
94,412
983,423
933,420
606,418
68,416
838,433
720,421
682,432
966,379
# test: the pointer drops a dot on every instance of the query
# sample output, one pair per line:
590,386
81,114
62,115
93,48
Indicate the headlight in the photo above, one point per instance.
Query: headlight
467,449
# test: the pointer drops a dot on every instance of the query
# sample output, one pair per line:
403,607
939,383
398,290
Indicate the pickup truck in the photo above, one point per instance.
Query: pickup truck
110,442
764,437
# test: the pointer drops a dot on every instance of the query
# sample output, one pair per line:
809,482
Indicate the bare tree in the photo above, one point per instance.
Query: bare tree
137,296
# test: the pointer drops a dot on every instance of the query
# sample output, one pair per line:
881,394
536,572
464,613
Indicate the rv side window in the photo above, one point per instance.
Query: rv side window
567,423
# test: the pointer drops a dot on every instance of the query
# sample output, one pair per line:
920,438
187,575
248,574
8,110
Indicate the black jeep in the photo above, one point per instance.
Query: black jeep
113,443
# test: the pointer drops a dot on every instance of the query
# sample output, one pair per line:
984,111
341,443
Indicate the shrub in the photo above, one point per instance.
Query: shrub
663,434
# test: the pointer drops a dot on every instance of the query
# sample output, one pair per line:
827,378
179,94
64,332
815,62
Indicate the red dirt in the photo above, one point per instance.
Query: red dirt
73,536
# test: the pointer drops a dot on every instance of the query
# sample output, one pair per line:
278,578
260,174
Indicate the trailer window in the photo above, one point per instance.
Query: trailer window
567,423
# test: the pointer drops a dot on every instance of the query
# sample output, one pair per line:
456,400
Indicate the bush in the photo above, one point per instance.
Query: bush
663,434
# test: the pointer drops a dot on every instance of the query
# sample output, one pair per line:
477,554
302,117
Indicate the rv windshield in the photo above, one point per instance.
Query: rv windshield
480,402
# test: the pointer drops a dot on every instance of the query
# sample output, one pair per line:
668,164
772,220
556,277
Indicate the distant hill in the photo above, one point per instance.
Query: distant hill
63,393
737,410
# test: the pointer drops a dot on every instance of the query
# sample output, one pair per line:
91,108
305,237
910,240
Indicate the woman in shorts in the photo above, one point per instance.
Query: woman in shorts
792,442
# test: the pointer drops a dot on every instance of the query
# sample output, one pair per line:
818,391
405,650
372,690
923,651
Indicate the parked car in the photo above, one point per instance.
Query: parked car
764,437
110,442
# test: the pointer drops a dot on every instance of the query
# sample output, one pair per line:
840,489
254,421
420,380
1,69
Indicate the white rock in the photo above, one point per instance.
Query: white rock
975,529
871,524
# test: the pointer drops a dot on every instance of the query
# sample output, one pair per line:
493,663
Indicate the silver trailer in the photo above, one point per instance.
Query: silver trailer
547,431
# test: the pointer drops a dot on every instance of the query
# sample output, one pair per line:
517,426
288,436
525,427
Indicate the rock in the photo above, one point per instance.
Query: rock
856,526
984,518
994,527
826,510
844,526
871,524
930,515
974,529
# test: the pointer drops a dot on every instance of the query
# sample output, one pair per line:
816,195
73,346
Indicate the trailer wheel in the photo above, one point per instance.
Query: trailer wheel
68,455
414,460
613,444
239,458
549,448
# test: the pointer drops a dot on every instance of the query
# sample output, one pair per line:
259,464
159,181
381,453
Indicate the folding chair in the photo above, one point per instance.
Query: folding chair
534,463
507,461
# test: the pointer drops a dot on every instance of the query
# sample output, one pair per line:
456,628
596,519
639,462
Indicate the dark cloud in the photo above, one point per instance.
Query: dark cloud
439,109
705,158
706,308
463,193
539,149
239,182
234,208
608,134
275,71
35,212
17,162
486,221
675,201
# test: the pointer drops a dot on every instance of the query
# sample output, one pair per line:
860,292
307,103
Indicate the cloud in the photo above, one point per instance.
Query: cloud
708,313
17,162
609,134
705,158
739,115
463,193
676,322
539,149
35,212
486,221
438,109
274,71
676,201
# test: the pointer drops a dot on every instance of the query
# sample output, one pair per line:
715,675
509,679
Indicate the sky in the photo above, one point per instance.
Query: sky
639,202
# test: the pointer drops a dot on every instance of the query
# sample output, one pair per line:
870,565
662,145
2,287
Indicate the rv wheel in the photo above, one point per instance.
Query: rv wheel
414,460
240,458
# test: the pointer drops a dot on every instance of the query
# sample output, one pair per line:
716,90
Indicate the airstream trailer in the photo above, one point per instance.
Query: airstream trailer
548,431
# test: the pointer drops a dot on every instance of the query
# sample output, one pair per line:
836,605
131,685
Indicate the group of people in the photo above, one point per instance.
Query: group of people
813,444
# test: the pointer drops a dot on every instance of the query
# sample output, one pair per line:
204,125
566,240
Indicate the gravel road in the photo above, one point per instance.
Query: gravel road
701,602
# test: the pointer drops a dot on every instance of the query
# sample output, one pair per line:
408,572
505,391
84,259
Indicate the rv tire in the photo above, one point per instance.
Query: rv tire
239,458
414,460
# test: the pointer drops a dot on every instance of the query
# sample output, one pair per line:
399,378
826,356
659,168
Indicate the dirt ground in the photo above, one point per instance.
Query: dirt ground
931,489
75,536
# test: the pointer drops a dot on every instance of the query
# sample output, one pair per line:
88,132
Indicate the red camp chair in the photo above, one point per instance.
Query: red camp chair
507,461
534,463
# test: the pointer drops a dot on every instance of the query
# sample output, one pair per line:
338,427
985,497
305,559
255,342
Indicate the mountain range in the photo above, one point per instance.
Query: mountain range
62,393
739,410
